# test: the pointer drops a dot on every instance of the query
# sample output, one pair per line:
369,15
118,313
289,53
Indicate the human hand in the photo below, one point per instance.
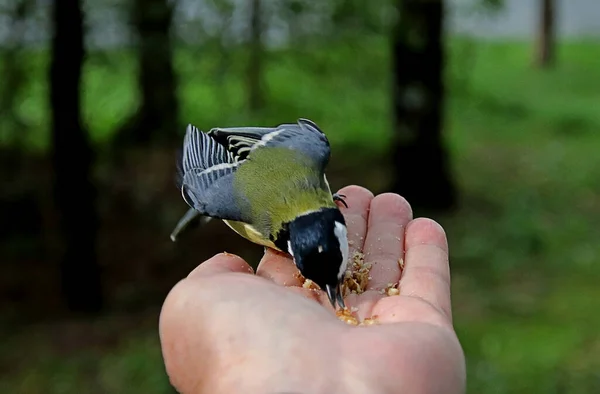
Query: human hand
225,329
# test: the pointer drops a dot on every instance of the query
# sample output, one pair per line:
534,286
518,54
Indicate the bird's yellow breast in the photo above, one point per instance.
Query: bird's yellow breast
281,185
251,234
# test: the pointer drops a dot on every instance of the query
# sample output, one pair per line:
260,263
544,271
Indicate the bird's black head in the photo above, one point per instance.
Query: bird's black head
318,241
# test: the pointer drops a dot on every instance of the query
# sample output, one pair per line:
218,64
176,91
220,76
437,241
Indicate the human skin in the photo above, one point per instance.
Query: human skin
226,329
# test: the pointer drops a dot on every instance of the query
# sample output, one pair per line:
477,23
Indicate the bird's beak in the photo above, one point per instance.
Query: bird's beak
335,295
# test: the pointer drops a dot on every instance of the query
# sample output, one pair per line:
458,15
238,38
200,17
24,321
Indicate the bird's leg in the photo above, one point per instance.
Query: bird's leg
340,198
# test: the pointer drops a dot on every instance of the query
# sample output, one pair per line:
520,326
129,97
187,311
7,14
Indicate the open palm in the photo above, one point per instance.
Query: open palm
225,329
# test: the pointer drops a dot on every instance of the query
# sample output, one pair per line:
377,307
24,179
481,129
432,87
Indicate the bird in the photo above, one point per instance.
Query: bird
268,184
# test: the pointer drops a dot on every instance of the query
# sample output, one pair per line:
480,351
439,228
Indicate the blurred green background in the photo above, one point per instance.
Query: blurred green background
504,154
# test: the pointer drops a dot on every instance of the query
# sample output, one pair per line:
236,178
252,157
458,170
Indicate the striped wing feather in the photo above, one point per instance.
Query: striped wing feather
207,175
304,136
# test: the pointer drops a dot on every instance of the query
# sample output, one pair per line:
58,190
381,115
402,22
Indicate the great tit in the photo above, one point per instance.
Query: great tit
268,184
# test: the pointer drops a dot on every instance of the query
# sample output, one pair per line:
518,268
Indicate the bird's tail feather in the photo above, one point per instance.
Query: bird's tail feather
184,222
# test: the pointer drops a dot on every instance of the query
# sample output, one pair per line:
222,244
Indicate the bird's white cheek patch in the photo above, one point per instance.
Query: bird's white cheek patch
291,252
341,232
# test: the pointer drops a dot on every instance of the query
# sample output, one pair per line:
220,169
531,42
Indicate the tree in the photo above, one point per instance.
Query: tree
255,65
72,159
156,118
418,59
13,70
546,41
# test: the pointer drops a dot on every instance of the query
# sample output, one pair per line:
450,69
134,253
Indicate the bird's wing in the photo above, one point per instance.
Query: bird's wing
304,136
206,176
239,140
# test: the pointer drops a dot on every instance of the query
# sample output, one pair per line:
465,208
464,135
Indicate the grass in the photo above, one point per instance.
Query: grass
92,366
524,146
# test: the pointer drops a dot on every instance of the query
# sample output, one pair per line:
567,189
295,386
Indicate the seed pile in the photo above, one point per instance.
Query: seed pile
357,275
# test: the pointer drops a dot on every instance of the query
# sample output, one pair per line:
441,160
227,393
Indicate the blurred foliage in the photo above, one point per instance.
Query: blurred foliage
110,94
524,145
492,4
523,257
11,66
132,366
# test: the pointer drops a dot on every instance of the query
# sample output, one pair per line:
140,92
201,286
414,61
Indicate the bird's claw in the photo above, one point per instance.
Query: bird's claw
340,198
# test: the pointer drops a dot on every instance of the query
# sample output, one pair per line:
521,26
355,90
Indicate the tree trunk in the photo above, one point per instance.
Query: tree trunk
255,91
420,159
72,159
14,77
546,35
157,118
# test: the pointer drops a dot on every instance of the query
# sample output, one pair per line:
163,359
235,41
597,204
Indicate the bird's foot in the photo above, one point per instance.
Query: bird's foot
340,198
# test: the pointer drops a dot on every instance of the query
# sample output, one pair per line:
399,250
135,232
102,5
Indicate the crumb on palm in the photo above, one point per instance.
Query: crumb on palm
306,283
309,284
347,316
370,321
390,290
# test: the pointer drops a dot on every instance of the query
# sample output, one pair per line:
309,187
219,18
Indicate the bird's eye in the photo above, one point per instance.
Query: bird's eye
320,248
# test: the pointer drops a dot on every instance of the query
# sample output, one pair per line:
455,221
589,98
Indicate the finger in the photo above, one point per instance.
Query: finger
426,271
363,303
279,268
384,244
356,215
315,295
221,263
